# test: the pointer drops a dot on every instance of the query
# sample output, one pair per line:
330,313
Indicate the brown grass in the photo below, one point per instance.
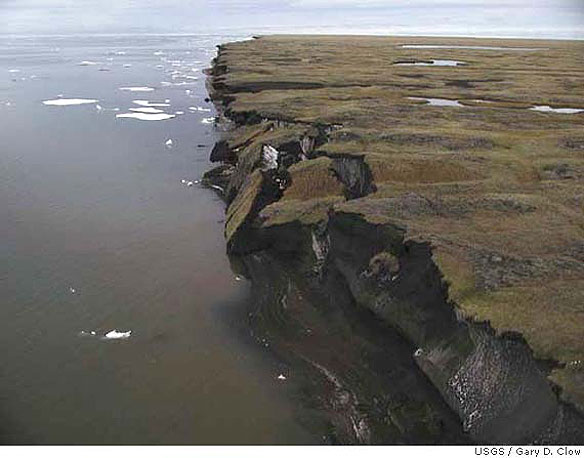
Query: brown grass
496,180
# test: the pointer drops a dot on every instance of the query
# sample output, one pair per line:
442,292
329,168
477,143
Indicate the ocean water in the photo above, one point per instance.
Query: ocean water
120,318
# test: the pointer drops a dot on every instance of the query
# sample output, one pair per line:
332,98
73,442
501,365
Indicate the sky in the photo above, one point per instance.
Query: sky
509,18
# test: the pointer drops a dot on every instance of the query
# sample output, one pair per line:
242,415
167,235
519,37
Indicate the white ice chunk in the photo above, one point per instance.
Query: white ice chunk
147,116
146,110
87,63
270,157
169,143
208,120
115,334
281,377
146,103
67,102
137,89
200,109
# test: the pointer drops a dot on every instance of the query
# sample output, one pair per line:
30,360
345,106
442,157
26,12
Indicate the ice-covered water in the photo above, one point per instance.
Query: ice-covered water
438,102
432,63
548,109
68,102
121,320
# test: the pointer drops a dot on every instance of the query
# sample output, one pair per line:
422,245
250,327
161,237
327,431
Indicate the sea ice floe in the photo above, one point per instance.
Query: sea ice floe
127,65
100,108
137,89
114,334
200,109
209,120
67,102
179,112
87,63
188,182
146,103
146,110
14,70
548,109
180,83
159,53
147,116
169,143
281,377
439,102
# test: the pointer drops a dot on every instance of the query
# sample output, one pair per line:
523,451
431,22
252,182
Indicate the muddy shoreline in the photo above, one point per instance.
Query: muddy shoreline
359,314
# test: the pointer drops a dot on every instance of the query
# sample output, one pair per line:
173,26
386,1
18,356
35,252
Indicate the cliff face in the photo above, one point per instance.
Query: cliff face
421,268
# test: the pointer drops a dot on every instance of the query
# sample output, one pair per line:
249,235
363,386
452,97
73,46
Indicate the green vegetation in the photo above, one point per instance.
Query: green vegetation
496,188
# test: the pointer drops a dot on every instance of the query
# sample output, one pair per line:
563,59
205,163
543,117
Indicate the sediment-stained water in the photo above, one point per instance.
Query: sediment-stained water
120,319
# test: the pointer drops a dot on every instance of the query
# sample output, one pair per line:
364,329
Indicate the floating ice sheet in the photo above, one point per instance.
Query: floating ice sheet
114,334
146,110
200,109
67,102
137,89
209,120
146,103
147,116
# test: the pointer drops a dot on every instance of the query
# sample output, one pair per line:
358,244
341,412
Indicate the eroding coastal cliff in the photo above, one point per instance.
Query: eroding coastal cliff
421,267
